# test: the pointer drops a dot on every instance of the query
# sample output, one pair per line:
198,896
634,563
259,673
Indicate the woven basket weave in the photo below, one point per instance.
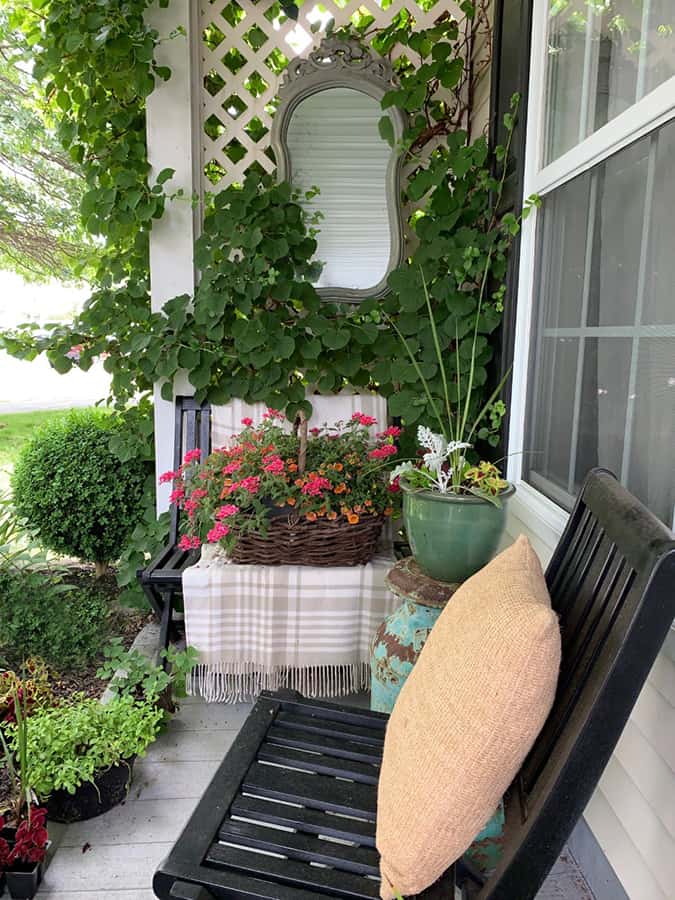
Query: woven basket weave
293,540
302,543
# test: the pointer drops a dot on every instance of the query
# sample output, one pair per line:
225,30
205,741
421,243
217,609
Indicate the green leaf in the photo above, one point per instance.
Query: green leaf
386,128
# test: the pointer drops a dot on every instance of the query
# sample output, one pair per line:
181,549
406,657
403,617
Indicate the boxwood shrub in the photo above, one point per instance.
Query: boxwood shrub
65,625
74,492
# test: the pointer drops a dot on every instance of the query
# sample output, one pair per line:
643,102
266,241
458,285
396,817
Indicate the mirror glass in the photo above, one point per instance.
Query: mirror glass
334,144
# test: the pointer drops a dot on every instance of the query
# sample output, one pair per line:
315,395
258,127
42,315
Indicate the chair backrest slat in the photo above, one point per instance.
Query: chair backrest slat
192,431
612,583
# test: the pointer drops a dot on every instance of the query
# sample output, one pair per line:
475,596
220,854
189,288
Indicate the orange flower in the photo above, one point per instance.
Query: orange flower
290,501
299,482
369,502
338,467
332,515
311,517
321,512
341,488
352,518
292,467
389,510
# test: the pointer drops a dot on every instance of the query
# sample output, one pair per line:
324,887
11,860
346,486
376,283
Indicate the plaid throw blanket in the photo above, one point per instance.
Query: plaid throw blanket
303,627
265,627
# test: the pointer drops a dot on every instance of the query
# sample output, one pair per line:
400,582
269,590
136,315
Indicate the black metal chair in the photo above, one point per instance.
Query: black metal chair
161,580
311,767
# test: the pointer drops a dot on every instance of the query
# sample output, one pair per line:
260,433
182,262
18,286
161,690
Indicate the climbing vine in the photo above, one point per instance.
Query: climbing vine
255,327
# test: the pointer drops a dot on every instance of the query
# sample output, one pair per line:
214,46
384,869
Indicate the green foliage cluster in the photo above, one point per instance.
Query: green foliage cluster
95,61
40,186
132,674
69,744
74,492
43,616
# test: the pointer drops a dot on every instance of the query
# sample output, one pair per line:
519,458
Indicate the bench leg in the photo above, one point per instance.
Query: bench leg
165,622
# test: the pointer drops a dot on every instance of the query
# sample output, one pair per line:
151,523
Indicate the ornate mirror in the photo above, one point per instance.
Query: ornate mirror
325,134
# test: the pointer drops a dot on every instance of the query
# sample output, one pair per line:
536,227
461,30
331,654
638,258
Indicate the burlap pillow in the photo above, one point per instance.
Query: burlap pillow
466,718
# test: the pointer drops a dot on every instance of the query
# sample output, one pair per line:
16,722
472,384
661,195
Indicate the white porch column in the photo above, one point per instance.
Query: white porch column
172,125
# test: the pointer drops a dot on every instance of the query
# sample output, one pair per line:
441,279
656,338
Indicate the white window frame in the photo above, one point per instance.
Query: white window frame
648,113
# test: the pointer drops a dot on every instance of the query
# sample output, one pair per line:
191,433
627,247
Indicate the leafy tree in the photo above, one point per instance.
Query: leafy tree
41,189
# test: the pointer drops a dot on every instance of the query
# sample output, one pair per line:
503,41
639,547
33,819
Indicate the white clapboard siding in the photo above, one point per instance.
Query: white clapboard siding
632,812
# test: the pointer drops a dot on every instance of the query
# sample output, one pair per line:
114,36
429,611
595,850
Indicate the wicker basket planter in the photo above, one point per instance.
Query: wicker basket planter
294,541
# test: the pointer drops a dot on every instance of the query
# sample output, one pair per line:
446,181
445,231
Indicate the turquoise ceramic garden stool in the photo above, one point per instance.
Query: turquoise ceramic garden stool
394,650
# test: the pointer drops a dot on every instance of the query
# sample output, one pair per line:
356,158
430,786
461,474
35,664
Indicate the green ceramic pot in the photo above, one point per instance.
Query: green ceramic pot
452,536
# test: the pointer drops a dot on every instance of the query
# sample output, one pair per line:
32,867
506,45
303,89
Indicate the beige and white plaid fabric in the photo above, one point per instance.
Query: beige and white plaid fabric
265,627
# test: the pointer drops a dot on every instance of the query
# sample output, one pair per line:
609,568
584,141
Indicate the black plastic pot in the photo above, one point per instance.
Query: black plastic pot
92,798
23,881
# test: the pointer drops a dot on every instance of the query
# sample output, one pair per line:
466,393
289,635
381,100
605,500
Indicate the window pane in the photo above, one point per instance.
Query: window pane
602,58
602,379
651,474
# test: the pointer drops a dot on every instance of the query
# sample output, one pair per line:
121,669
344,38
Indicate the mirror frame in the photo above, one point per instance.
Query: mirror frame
346,64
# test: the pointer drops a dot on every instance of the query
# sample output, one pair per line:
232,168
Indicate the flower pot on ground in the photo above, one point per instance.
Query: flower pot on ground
92,798
272,497
84,742
452,536
25,858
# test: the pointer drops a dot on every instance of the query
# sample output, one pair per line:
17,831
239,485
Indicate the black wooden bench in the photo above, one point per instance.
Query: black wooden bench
161,580
312,767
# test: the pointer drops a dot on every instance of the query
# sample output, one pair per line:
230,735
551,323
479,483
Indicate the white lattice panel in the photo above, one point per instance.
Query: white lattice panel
246,45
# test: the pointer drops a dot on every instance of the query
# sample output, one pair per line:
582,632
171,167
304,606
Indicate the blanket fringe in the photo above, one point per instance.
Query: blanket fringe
235,682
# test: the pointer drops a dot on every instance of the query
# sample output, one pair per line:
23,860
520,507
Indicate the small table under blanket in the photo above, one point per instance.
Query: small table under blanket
266,627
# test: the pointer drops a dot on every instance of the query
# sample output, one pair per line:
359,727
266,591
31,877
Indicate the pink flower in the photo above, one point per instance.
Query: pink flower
190,506
363,419
393,431
231,467
273,414
315,431
228,510
166,477
273,464
247,421
250,484
383,452
314,487
218,532
177,494
198,493
192,456
189,543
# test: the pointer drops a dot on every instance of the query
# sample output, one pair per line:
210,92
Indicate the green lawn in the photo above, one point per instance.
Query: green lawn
15,430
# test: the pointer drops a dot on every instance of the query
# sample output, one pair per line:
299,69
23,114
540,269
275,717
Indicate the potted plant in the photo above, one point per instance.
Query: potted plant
24,859
80,754
453,508
275,496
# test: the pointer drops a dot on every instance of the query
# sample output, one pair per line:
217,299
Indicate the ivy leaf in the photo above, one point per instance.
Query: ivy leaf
386,128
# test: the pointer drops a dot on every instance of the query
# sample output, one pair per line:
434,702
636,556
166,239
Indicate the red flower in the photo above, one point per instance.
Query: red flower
177,494
217,532
189,543
192,456
383,452
314,487
247,421
226,511
394,487
273,414
250,484
274,465
166,477
363,419
231,467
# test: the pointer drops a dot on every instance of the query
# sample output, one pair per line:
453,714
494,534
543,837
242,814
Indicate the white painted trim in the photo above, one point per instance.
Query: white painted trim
648,114
171,144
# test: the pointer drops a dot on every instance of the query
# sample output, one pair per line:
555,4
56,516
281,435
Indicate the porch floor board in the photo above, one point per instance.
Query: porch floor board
115,855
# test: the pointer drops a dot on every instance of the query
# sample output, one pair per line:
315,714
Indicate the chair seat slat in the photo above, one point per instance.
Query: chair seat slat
320,743
320,763
307,848
292,872
313,725
313,821
314,791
